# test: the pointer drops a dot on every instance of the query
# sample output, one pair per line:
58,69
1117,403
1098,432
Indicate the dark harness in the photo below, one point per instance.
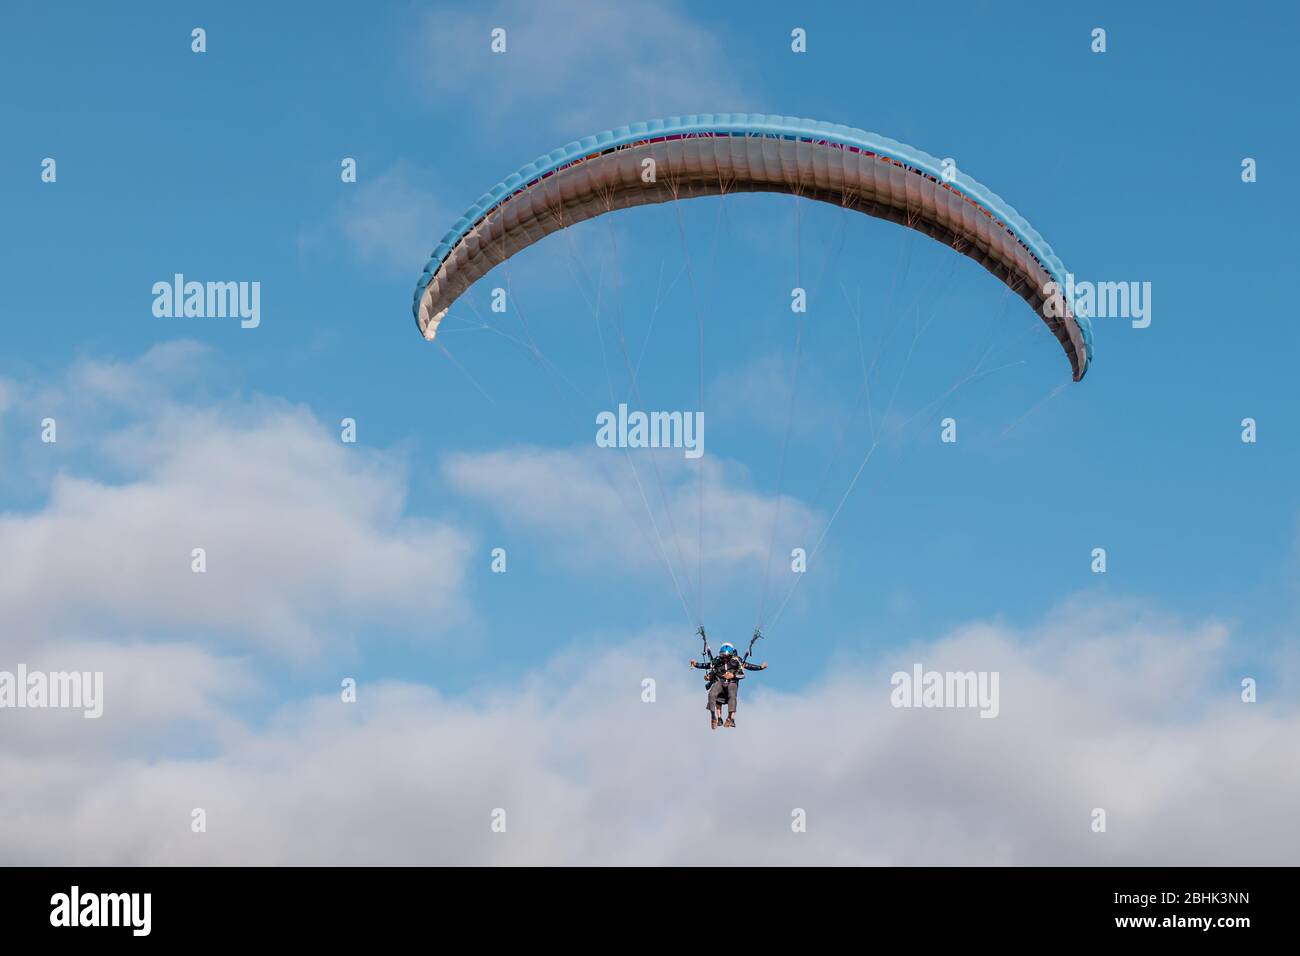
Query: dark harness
716,668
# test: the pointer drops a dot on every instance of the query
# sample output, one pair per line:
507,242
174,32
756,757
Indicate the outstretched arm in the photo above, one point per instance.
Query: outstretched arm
755,667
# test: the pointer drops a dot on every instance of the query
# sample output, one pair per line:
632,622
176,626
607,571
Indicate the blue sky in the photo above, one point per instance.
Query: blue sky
372,560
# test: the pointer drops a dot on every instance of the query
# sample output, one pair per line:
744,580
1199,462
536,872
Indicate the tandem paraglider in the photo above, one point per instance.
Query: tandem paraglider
726,671
715,155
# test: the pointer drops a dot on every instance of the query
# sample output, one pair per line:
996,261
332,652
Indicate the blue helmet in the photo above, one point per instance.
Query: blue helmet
727,649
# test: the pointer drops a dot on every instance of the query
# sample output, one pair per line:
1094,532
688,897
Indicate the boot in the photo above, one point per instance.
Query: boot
713,721
731,721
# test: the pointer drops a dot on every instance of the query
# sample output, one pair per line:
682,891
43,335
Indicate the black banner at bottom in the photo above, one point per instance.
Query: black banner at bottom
368,905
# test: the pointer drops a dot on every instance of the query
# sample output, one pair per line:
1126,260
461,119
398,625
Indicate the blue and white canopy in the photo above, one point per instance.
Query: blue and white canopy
715,154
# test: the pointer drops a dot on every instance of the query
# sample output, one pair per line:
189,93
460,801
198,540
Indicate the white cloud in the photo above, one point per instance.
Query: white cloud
1114,708
92,390
152,694
591,64
140,383
306,538
391,220
589,504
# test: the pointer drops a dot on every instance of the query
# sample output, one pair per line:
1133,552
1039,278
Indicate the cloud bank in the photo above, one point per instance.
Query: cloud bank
305,538
1113,708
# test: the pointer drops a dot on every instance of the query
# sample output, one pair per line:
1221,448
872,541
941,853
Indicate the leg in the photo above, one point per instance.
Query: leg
715,704
733,697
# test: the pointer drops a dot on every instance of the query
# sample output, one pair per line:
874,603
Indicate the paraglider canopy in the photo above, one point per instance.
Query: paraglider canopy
715,154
